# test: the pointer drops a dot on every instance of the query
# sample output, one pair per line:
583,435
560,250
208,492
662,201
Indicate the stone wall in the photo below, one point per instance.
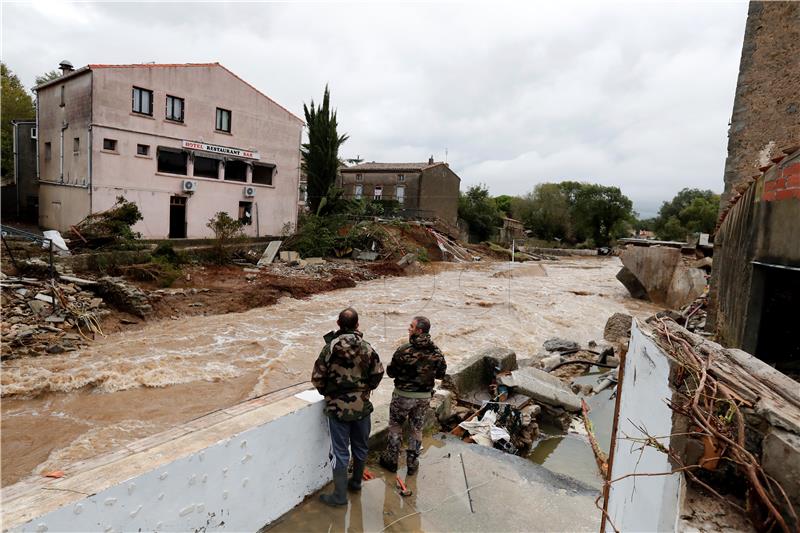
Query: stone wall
766,109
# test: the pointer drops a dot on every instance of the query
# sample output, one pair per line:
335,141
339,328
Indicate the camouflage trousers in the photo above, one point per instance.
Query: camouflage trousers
400,410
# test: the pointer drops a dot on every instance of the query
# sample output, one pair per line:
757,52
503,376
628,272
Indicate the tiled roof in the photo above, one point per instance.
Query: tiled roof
390,167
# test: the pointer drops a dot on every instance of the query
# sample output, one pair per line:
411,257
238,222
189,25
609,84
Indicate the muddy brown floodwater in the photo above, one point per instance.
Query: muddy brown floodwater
64,408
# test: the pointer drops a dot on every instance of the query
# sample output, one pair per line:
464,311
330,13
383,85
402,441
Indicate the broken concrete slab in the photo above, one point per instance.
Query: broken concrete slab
315,261
251,270
542,387
407,260
781,460
618,327
39,307
289,256
560,345
45,298
269,253
660,272
632,283
477,371
366,256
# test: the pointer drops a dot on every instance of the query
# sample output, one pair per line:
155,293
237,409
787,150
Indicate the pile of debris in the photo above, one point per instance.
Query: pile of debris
48,316
694,315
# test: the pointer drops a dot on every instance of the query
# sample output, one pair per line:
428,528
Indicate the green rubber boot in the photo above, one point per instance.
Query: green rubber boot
339,495
358,475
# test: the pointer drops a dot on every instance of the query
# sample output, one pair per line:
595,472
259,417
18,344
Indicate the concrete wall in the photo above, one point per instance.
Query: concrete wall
643,503
439,192
240,482
766,109
20,199
760,226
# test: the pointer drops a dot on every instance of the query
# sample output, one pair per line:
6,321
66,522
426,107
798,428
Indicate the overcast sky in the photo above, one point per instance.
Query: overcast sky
633,94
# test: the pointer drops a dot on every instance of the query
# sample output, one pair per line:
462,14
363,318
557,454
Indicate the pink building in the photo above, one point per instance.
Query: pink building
183,141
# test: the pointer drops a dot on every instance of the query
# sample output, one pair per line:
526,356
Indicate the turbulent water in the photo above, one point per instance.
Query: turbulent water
62,408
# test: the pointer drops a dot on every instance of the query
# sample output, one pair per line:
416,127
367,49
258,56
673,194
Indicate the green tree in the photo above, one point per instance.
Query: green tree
47,76
602,213
503,204
321,152
16,104
545,211
479,211
690,211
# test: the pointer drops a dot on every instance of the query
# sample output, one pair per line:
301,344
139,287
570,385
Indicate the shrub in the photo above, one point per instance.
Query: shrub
227,231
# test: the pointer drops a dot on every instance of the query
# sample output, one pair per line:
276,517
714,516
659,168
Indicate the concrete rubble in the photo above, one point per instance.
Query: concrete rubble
33,323
542,387
658,274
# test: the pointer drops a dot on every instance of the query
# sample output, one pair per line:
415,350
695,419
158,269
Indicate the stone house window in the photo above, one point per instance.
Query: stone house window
358,192
378,194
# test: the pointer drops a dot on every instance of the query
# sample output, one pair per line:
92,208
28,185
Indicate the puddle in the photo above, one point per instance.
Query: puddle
508,493
571,454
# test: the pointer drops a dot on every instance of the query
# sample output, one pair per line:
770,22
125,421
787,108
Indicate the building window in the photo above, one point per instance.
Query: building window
359,177
172,160
142,149
63,96
401,177
246,213
223,120
174,108
235,170
358,192
48,151
142,101
262,174
76,145
378,195
401,194
206,167
110,145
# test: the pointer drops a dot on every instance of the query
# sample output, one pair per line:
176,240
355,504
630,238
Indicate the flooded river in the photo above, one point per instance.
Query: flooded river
64,408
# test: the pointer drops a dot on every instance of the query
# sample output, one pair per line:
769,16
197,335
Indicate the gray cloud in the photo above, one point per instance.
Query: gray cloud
633,94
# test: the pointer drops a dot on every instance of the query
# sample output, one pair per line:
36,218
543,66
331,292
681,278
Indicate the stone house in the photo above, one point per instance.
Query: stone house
182,141
425,190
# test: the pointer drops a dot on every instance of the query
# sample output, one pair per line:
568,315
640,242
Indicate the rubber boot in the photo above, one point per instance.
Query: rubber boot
412,463
339,495
391,466
358,475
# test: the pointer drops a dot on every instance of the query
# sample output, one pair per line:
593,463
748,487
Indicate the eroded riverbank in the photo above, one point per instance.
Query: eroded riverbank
69,407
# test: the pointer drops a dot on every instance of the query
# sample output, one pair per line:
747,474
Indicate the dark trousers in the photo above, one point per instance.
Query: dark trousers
346,435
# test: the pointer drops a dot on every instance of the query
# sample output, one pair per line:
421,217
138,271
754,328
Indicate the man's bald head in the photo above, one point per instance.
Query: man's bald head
348,319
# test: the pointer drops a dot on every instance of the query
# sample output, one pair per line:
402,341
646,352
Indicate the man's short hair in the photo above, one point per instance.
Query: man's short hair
348,319
423,324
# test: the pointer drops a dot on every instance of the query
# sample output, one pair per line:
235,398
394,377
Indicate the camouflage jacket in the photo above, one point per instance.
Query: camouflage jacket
345,372
416,364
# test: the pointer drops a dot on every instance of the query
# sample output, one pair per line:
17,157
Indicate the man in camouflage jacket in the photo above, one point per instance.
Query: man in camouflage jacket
414,367
345,373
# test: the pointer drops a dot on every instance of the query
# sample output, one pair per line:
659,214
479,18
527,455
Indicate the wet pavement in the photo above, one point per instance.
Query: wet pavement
508,493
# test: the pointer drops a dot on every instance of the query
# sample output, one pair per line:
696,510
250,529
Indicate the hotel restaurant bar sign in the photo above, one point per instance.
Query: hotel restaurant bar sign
222,150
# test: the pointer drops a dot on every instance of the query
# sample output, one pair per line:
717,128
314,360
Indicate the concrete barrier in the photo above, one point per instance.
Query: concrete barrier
233,470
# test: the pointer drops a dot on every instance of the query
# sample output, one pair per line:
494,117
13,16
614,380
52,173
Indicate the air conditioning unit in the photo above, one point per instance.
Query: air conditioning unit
189,186
249,191
34,133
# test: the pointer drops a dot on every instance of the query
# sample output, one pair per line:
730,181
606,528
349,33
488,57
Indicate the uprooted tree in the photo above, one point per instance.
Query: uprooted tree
321,152
111,227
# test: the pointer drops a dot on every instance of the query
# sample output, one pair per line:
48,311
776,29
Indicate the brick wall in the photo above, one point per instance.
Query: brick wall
766,110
